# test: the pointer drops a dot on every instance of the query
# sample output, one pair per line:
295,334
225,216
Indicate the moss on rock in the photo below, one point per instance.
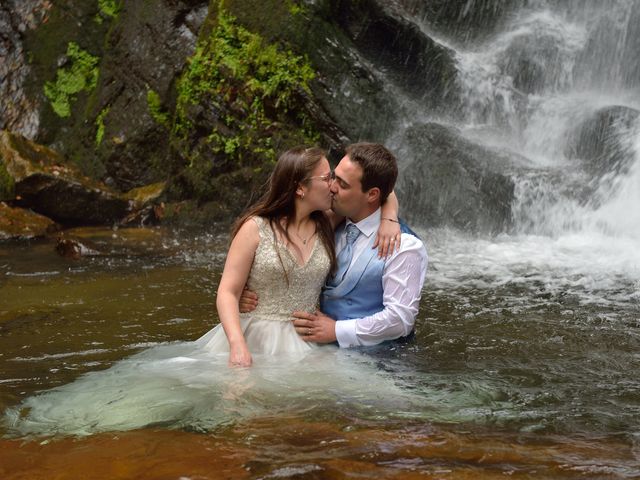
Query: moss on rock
80,75
238,103
7,185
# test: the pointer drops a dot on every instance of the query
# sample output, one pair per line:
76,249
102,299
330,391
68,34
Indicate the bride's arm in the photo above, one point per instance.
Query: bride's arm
234,277
388,236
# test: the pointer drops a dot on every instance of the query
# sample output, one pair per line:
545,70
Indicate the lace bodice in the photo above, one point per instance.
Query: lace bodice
277,299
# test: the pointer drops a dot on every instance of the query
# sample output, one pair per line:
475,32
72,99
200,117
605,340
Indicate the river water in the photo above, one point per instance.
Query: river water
527,366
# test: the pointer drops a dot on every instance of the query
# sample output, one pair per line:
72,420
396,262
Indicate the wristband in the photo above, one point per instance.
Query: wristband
390,219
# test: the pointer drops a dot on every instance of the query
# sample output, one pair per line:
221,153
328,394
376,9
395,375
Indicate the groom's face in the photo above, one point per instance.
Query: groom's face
348,198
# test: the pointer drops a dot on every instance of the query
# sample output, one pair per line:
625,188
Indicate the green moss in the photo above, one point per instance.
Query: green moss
80,75
160,115
258,81
295,8
100,125
109,8
7,191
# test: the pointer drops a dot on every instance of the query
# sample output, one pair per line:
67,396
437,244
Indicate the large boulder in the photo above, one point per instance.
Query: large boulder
454,182
44,182
602,141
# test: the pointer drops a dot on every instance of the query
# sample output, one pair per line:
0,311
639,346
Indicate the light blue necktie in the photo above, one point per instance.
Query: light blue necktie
345,255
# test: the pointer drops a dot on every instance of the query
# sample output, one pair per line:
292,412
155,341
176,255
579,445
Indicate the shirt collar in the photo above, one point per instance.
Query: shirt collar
368,226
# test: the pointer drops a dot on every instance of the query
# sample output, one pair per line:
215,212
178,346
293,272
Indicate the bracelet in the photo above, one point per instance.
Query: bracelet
390,219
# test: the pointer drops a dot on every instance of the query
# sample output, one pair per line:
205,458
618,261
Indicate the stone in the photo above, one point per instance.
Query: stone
46,183
601,141
454,182
23,224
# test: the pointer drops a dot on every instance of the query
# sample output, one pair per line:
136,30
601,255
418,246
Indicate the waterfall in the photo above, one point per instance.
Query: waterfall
532,86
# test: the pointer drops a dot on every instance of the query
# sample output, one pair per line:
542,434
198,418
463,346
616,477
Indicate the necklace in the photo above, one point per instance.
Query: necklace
304,240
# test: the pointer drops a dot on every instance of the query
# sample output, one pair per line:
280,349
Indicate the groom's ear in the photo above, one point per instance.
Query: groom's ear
373,195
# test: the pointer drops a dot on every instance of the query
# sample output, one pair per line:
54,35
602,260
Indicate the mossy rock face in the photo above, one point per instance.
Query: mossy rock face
137,89
236,191
22,224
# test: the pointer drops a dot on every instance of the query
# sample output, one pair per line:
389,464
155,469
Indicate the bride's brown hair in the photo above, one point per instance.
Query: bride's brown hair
294,167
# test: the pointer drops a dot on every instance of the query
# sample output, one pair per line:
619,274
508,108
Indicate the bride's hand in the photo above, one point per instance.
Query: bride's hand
387,237
239,355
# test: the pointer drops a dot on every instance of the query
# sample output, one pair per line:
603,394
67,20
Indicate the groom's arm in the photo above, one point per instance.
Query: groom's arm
402,282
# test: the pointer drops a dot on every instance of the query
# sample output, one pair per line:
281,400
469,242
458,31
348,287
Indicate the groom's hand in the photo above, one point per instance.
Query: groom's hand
248,301
315,327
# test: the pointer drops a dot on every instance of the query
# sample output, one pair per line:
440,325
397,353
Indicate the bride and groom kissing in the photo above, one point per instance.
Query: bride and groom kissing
283,249
369,291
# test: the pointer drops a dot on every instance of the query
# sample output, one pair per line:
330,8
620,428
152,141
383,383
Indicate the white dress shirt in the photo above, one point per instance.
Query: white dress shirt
402,280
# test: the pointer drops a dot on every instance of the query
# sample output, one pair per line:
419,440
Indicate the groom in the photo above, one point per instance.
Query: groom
369,300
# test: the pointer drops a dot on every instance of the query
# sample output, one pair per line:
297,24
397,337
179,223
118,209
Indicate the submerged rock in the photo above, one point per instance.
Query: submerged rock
46,183
454,182
73,248
23,224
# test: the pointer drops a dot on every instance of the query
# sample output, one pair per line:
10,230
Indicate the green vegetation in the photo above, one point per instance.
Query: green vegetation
256,84
160,115
295,8
6,184
108,8
100,126
80,75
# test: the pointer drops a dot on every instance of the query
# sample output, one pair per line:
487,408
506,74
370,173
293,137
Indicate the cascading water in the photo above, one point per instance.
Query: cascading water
557,89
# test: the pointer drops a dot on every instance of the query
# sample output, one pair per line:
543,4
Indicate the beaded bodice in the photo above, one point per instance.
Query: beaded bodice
277,298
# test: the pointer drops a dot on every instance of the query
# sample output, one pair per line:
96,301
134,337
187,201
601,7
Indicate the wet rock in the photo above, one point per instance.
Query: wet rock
464,19
44,182
454,182
147,209
74,248
400,48
115,242
23,224
19,111
603,140
146,52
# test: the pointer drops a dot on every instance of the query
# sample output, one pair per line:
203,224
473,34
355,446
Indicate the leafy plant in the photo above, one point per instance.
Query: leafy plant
109,8
81,74
235,67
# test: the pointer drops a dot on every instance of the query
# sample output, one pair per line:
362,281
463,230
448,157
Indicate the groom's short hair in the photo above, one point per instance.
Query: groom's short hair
379,167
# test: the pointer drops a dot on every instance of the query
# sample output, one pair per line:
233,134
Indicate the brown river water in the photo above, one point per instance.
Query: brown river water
544,391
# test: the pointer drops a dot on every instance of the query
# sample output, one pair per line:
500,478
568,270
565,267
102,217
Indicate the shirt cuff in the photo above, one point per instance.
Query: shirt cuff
346,333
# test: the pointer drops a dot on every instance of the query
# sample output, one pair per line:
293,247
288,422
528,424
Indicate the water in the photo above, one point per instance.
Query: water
529,369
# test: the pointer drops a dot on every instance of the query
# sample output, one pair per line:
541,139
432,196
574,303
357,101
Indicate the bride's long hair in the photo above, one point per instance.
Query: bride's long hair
277,204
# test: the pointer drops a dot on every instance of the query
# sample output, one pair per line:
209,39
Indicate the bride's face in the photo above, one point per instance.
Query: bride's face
316,190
